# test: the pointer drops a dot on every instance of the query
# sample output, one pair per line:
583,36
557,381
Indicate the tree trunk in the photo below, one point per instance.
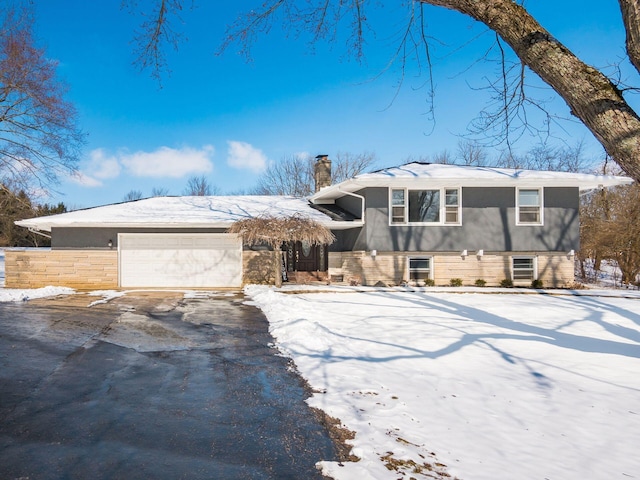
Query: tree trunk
590,95
631,18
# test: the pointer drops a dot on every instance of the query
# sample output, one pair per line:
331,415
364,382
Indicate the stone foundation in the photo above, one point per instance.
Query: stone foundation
556,270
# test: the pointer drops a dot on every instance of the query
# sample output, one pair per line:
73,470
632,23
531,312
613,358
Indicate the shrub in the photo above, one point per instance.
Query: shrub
480,283
429,282
455,282
506,283
536,283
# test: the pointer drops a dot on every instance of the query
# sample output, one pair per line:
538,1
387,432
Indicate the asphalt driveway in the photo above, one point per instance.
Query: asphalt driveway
150,386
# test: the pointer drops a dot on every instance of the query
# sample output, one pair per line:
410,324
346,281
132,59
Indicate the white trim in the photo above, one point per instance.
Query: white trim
442,208
541,206
466,176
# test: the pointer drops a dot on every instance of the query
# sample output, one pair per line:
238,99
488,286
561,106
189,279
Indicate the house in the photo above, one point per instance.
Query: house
417,223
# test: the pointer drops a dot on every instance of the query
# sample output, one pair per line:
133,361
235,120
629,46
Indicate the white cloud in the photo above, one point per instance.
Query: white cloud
244,155
103,166
302,155
169,162
162,162
85,180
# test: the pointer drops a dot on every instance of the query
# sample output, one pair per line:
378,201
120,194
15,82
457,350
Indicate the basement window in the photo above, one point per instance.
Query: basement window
524,268
419,268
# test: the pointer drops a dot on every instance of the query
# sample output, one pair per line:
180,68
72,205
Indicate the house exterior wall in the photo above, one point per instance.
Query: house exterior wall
262,267
392,268
351,204
98,238
83,269
97,269
488,222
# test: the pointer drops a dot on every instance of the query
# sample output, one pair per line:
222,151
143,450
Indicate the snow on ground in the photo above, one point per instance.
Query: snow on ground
491,385
22,295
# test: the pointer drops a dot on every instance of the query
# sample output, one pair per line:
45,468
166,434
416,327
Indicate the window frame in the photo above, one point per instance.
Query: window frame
540,206
443,209
420,257
534,268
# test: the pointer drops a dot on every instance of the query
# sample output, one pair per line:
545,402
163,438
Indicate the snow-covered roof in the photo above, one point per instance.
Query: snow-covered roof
439,175
183,212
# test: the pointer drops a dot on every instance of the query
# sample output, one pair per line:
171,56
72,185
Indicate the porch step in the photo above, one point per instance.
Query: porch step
307,277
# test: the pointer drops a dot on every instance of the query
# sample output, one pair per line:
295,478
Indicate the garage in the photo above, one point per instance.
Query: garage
179,260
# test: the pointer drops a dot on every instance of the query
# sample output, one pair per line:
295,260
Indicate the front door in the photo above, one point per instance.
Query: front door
304,257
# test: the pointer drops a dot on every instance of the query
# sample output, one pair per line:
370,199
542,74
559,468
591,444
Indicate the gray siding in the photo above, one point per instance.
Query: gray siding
98,238
351,204
488,222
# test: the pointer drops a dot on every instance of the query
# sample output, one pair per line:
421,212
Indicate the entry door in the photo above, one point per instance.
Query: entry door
303,257
307,258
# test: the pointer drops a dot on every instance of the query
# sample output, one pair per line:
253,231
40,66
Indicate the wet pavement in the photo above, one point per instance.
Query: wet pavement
150,386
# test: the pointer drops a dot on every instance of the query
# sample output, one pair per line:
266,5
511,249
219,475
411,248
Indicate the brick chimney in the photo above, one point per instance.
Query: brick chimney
322,172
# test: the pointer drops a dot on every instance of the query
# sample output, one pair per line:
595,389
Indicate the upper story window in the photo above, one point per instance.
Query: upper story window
529,206
425,206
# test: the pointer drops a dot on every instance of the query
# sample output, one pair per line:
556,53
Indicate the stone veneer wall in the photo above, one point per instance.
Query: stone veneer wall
96,269
262,267
554,269
81,269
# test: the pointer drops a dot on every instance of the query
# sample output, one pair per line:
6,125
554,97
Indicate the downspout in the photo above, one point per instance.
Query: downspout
38,232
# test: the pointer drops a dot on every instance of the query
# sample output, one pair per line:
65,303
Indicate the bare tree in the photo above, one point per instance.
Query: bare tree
347,165
593,98
444,157
39,137
471,153
199,186
159,192
155,34
610,230
132,196
293,174
547,157
18,205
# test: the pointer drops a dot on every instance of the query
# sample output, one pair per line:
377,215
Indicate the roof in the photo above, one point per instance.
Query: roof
440,175
184,212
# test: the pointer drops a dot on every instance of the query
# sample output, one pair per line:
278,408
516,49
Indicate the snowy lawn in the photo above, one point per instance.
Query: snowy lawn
494,386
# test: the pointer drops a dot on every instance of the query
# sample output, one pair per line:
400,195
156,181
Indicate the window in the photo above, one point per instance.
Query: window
452,205
419,268
397,206
425,206
529,206
523,268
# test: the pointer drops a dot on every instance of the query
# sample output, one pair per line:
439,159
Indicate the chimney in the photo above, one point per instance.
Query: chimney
322,172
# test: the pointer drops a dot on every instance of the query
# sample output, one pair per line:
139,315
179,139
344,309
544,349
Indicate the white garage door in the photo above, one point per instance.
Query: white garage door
180,260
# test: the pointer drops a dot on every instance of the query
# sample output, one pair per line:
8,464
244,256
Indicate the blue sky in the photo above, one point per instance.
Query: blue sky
227,119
